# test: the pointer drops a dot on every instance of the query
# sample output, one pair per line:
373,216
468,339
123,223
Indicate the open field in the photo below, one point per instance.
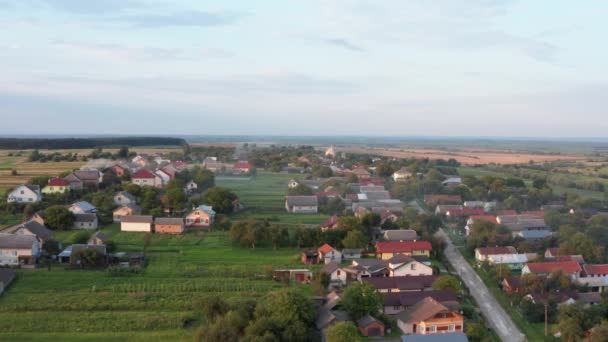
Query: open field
464,156
159,304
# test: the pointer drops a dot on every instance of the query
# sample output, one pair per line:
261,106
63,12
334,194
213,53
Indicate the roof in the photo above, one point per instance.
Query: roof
35,227
535,234
487,218
548,267
537,213
241,165
330,268
554,251
302,201
15,241
325,249
169,220
126,194
133,207
143,173
326,317
496,250
32,187
377,195
465,212
101,236
409,298
367,320
349,251
87,175
6,276
439,197
137,219
85,206
400,259
447,337
596,269
506,212
85,217
58,182
330,222
421,311
400,235
402,246
402,283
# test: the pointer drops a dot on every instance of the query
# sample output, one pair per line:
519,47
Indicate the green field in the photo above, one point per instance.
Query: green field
159,304
264,197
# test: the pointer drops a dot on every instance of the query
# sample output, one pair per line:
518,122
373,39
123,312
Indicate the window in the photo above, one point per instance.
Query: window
451,328
413,266
338,273
22,192
433,328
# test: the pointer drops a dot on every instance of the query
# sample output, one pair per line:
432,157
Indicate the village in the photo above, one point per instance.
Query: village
372,262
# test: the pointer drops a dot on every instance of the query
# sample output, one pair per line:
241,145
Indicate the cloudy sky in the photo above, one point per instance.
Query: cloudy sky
314,67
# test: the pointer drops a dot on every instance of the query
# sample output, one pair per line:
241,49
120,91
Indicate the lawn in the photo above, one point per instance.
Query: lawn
158,304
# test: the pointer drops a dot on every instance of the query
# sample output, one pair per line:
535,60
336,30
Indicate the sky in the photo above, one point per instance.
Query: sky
492,68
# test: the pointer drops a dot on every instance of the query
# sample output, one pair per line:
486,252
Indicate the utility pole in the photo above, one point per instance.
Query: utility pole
546,321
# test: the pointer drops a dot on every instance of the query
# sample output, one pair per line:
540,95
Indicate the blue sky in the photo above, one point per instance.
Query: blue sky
315,67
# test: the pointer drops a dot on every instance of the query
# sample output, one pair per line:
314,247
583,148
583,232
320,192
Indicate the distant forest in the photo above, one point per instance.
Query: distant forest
72,143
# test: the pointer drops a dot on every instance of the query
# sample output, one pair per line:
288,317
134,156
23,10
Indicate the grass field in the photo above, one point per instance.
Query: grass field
159,304
264,196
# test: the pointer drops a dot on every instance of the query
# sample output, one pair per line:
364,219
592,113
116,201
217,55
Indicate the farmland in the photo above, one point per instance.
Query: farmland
158,304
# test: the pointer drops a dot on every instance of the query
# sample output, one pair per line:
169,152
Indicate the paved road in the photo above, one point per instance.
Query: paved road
494,314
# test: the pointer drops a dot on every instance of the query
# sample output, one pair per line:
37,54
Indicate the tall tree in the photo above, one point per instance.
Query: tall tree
58,217
361,299
343,332
220,199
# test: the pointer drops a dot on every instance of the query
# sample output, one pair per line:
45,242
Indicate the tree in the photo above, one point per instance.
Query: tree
569,322
123,152
354,239
221,330
361,299
371,220
203,178
343,332
580,243
322,171
349,223
255,232
502,272
58,217
220,199
447,282
176,199
384,170
299,190
213,307
599,333
475,332
278,235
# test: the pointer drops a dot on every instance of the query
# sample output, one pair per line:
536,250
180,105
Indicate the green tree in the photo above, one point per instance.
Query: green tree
58,217
361,299
220,330
502,272
299,190
343,332
569,322
354,239
384,170
580,243
599,333
220,199
176,199
447,282
213,307
322,171
255,233
475,332
278,235
349,223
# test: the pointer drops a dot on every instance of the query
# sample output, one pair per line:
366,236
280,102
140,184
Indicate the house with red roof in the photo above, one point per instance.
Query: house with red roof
388,249
329,254
572,268
144,177
596,270
536,213
330,223
119,171
242,167
463,213
56,186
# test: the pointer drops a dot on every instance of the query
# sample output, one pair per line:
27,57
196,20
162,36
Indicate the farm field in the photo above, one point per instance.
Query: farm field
158,304
264,196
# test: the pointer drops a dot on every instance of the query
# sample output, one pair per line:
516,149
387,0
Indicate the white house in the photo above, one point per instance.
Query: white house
337,276
83,207
85,221
302,204
25,193
402,175
124,198
329,254
18,249
403,265
164,176
136,223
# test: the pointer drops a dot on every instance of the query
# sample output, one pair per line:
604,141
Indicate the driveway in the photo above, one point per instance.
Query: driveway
493,313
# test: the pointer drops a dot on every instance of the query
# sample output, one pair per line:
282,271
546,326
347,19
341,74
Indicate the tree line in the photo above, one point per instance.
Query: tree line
70,143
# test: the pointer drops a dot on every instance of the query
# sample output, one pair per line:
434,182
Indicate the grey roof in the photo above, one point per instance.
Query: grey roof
85,206
377,195
137,219
402,283
6,276
400,235
367,320
169,220
101,236
35,227
87,175
16,241
33,187
409,298
535,234
71,178
330,268
126,194
448,337
85,217
326,317
302,201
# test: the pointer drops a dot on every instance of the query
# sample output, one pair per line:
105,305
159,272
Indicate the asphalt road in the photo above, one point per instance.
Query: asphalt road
491,310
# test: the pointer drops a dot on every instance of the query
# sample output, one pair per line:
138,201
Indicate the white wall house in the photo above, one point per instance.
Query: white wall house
136,223
18,249
25,193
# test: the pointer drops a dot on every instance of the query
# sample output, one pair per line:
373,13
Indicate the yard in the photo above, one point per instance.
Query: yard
158,304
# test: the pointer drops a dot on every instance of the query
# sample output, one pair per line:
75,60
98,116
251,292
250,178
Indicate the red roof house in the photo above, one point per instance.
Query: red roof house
537,213
487,218
545,268
330,223
387,249
596,270
242,166
464,212
144,174
58,182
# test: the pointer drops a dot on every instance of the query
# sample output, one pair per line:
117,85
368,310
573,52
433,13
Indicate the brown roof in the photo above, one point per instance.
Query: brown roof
85,217
87,175
496,250
329,268
302,201
35,227
402,283
409,298
423,310
169,220
16,241
137,219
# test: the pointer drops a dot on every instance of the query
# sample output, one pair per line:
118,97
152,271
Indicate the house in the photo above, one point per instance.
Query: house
388,249
136,223
18,249
191,187
433,200
361,172
124,198
337,277
242,167
462,214
519,223
146,178
329,254
402,265
66,255
330,152
118,170
302,204
56,186
169,225
400,235
430,317
309,257
396,302
98,238
297,275
535,235
90,178
126,210
513,261
330,223
365,268
483,253
85,221
140,161
7,276
446,337
401,284
572,268
82,207
201,217
25,193
452,182
402,175
442,209
327,318
370,327
351,253
34,228
164,176
512,285
74,182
